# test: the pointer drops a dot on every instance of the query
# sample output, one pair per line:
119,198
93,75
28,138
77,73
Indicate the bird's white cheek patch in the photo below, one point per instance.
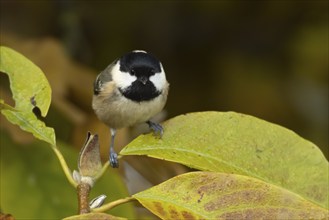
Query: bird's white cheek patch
159,80
122,79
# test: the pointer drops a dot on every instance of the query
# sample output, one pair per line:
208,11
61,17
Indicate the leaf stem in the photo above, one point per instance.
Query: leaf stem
113,204
64,166
103,170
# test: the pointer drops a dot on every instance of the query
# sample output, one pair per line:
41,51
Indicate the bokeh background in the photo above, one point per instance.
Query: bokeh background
268,59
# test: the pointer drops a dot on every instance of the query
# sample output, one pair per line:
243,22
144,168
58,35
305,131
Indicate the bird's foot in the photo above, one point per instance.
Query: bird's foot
157,128
114,159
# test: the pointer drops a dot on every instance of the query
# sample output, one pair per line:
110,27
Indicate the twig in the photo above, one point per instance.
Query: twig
65,168
83,194
104,168
113,204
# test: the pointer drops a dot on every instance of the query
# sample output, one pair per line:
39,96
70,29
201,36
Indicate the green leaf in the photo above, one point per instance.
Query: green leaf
33,185
29,122
30,89
236,143
28,83
210,195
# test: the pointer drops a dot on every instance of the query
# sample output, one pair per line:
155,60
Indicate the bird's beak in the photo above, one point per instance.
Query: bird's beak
143,79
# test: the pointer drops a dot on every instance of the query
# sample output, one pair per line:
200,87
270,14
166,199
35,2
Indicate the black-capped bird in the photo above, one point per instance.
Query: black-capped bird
131,90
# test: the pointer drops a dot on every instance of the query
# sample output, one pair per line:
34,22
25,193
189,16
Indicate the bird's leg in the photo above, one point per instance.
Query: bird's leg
157,128
113,156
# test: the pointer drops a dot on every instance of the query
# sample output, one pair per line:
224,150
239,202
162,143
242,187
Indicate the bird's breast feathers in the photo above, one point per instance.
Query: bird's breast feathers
117,111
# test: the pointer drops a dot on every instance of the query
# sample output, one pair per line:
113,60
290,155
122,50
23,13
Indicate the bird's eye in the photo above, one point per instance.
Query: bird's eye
152,71
132,72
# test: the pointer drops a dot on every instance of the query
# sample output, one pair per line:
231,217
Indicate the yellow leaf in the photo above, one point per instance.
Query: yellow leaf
211,195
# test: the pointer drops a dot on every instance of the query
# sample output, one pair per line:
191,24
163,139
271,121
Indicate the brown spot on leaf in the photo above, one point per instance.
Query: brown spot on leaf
209,188
274,213
33,101
201,196
187,215
159,208
249,197
260,213
213,185
173,213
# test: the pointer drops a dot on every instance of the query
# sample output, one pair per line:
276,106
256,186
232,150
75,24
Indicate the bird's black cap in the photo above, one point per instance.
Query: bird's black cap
140,62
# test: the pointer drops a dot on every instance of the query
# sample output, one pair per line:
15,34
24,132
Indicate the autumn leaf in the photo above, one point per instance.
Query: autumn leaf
212,195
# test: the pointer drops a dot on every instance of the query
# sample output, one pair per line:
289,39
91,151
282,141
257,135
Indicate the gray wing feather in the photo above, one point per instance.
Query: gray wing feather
102,78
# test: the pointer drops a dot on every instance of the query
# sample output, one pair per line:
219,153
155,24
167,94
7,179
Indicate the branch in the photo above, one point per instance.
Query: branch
113,204
83,194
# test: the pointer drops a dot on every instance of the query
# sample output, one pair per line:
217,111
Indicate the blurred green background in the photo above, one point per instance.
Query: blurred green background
264,58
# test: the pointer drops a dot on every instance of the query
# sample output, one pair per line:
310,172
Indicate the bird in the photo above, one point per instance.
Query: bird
129,91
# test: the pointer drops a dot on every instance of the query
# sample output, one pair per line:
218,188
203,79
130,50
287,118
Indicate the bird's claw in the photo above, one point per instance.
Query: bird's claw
157,128
114,160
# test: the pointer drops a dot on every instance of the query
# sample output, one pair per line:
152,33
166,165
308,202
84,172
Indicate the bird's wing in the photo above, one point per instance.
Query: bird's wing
102,78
